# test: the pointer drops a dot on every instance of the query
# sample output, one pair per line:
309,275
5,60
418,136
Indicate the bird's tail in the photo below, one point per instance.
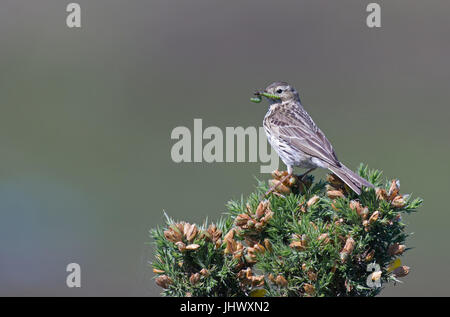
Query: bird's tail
353,180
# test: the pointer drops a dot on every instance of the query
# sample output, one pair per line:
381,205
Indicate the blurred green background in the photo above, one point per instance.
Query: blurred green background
86,116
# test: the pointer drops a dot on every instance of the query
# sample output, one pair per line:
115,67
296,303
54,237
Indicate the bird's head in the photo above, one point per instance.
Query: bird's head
279,91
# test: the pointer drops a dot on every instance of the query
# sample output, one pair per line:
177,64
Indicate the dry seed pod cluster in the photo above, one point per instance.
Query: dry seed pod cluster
233,247
255,221
393,195
163,281
247,278
289,185
299,242
212,234
195,278
253,251
182,234
279,280
253,246
363,212
401,271
396,249
367,218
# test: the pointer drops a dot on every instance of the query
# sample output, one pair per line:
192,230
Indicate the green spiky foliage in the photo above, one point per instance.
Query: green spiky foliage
316,239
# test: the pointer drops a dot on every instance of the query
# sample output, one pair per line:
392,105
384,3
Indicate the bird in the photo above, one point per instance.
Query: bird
296,138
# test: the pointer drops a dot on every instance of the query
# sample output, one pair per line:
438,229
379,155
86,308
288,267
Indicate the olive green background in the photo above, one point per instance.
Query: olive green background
86,116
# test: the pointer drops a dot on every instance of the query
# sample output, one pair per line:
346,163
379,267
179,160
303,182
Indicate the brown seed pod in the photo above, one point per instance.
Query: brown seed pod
381,194
261,209
190,231
277,174
181,246
173,234
333,194
279,187
229,236
204,272
398,201
192,247
364,212
163,281
239,251
312,275
241,220
309,289
314,199
297,245
349,245
267,217
356,206
348,249
374,217
281,281
234,248
394,189
214,233
396,249
401,271
194,278
324,238
257,281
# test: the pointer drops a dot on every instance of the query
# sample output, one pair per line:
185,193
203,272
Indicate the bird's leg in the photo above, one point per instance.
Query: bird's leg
301,177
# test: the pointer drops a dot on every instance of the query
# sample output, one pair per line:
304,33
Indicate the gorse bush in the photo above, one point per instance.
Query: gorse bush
306,239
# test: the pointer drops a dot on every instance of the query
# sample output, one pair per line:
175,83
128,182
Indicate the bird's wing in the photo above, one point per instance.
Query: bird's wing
301,133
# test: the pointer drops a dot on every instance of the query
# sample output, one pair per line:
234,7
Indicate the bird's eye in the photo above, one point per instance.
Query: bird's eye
279,91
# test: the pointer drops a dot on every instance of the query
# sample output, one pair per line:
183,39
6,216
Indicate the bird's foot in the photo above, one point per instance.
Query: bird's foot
279,184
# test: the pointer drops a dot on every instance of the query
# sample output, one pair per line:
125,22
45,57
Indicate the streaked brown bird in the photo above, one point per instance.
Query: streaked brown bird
297,139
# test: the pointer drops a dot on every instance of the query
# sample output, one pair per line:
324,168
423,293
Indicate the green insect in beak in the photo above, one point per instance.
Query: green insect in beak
259,94
256,99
